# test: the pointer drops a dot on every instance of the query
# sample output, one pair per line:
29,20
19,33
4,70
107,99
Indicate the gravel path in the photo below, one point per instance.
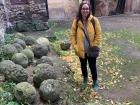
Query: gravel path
118,22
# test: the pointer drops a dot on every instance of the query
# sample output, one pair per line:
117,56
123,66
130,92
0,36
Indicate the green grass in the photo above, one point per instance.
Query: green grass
62,35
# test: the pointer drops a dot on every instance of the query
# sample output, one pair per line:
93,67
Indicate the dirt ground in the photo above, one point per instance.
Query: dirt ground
114,23
131,89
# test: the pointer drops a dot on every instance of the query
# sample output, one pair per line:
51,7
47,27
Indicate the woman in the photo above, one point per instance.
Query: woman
80,43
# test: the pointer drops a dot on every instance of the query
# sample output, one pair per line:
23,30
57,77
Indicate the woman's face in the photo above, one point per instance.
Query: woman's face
85,10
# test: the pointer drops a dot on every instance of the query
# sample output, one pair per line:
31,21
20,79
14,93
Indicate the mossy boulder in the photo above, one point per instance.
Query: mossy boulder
5,65
12,71
19,35
65,45
40,50
59,65
43,41
39,25
43,72
29,40
25,93
22,26
50,90
21,59
9,50
45,59
29,53
18,47
2,78
21,42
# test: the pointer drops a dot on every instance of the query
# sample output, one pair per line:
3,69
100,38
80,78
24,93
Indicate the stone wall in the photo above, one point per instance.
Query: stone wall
62,9
2,24
34,9
104,7
136,6
31,15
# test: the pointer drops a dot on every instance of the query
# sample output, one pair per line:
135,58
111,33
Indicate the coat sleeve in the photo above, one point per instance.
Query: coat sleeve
73,34
98,32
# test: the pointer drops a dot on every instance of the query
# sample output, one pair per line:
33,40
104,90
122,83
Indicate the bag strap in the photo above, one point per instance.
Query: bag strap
86,37
93,24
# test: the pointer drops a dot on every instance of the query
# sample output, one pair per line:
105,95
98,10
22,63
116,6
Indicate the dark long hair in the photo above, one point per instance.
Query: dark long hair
79,15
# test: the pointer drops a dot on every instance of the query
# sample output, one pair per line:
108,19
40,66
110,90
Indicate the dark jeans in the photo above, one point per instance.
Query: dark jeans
92,66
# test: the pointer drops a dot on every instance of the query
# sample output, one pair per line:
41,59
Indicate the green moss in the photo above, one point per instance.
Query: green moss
21,59
29,53
25,92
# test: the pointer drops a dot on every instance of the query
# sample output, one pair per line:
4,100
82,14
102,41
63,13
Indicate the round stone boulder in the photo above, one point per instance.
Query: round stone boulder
9,50
50,90
21,42
45,59
18,47
29,53
19,35
65,45
13,72
40,50
43,72
43,41
29,40
21,59
25,93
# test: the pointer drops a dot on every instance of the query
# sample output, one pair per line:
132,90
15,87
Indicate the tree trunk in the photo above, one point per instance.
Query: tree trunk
92,3
47,10
120,6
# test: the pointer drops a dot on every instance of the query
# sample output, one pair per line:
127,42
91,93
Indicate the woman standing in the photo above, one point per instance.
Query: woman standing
83,26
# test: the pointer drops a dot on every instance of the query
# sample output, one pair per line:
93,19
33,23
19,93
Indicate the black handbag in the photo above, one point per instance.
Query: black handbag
92,51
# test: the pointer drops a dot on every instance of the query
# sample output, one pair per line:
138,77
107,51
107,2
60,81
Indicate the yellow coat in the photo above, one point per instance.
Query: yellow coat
77,38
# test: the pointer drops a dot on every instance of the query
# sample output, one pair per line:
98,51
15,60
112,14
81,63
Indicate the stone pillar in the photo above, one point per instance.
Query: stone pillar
136,6
2,24
101,8
128,6
62,9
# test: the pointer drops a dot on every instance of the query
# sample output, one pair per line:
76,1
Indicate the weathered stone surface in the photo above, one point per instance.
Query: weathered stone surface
43,41
12,71
9,50
25,93
21,42
40,50
18,47
29,53
29,40
62,9
2,78
45,59
135,5
101,8
21,59
65,45
50,90
43,72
